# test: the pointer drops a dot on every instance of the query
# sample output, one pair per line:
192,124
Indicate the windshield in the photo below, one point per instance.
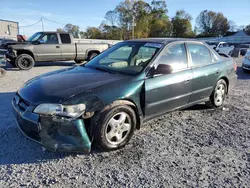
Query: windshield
126,57
34,37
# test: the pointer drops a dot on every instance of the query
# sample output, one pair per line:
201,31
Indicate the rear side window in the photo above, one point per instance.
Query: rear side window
174,55
65,38
200,54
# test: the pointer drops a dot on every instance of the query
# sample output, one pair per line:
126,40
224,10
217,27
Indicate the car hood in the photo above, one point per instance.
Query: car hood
58,86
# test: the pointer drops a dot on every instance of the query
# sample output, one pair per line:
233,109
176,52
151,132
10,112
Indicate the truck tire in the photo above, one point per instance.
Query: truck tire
25,62
78,61
92,55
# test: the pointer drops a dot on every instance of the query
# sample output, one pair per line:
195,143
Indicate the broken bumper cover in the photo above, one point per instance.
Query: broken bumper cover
51,132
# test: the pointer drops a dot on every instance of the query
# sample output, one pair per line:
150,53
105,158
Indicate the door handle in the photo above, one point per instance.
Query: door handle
188,79
57,46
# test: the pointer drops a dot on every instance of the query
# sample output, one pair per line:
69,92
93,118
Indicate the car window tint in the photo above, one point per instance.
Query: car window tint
65,38
50,39
121,53
200,54
174,55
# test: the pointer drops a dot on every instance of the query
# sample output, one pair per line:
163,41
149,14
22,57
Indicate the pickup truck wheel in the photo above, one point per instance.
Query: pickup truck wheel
78,61
91,55
115,128
25,62
218,96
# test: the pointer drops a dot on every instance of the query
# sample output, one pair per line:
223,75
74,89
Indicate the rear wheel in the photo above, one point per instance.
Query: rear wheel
78,61
25,62
115,128
92,55
218,96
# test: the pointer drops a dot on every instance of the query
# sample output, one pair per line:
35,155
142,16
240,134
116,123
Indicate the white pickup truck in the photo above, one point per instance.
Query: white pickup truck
51,46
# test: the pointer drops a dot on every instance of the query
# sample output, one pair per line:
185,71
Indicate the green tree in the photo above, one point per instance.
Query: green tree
212,24
181,24
160,25
93,33
73,29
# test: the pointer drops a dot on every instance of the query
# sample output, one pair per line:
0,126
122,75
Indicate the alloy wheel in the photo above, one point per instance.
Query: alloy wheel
118,128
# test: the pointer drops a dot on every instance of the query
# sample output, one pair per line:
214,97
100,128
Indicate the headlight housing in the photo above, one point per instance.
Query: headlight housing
69,111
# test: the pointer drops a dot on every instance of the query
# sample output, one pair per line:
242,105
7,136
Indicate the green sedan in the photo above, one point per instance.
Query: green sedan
105,100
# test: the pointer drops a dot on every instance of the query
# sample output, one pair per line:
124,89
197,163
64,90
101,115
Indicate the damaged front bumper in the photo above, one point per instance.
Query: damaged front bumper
53,133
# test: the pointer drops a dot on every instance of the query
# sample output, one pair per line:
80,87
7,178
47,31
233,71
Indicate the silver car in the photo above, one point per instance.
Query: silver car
246,62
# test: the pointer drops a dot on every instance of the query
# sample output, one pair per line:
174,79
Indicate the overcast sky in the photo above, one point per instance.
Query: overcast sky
91,12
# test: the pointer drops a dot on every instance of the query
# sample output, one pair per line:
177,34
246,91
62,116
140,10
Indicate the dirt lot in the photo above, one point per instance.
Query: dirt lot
196,147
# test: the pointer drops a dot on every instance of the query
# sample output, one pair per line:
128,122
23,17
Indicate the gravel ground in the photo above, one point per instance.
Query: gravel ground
196,147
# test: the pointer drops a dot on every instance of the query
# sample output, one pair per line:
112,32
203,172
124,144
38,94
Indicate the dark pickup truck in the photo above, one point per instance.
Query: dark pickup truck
51,46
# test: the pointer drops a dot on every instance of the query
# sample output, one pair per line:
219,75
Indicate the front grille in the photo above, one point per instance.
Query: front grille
21,103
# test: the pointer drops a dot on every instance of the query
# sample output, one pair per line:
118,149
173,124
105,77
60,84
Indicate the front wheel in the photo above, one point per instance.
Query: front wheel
218,96
115,128
25,62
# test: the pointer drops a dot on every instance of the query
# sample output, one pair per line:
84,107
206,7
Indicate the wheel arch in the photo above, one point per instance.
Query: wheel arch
226,80
19,52
130,104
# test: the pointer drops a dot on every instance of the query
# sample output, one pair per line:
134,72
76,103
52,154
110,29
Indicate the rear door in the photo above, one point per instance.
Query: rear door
68,47
169,91
205,70
48,49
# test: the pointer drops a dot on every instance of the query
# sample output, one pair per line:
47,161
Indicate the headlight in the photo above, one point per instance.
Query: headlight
71,111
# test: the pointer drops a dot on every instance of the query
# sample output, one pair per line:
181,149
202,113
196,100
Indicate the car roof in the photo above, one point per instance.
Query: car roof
163,40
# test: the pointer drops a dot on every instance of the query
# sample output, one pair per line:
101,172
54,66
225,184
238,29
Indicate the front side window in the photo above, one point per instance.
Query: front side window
200,54
34,37
174,55
126,57
50,39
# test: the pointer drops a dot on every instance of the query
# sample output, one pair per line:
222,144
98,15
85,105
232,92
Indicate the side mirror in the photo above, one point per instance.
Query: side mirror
163,69
41,41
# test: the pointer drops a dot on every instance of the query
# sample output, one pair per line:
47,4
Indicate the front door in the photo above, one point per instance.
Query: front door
170,91
48,49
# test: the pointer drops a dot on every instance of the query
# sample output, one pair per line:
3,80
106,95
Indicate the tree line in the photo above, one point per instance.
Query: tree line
139,19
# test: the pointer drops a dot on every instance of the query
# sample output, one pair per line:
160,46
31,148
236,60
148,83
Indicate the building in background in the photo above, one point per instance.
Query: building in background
9,29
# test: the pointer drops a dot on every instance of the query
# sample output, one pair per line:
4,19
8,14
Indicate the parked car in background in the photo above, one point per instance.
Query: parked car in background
51,46
224,48
107,99
244,48
246,62
212,44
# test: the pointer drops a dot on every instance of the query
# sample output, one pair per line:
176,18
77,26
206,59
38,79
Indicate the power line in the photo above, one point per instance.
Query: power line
32,24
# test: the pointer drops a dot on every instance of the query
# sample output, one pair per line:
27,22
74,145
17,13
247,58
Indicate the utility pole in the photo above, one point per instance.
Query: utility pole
42,24
133,28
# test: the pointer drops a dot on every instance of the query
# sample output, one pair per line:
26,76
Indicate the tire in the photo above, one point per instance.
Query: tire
115,128
218,95
2,72
25,62
78,61
92,55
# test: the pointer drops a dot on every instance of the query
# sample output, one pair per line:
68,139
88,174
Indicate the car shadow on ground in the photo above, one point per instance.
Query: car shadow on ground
10,67
242,75
15,147
197,107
